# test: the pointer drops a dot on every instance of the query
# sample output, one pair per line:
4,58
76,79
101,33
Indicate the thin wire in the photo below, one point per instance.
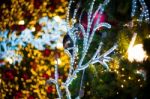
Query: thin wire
81,83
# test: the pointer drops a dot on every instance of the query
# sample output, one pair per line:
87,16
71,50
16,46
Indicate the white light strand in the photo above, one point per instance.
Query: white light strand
145,12
134,7
88,34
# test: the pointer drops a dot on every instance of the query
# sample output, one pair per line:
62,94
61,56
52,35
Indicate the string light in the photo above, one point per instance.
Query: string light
72,31
134,6
144,9
51,31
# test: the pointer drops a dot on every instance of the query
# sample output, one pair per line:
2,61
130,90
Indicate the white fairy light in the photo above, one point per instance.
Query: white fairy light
134,6
88,35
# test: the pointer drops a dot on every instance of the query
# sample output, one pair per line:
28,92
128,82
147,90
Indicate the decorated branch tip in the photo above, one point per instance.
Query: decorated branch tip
88,32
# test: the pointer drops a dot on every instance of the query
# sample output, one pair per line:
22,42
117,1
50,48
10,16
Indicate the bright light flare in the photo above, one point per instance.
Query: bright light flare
137,53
